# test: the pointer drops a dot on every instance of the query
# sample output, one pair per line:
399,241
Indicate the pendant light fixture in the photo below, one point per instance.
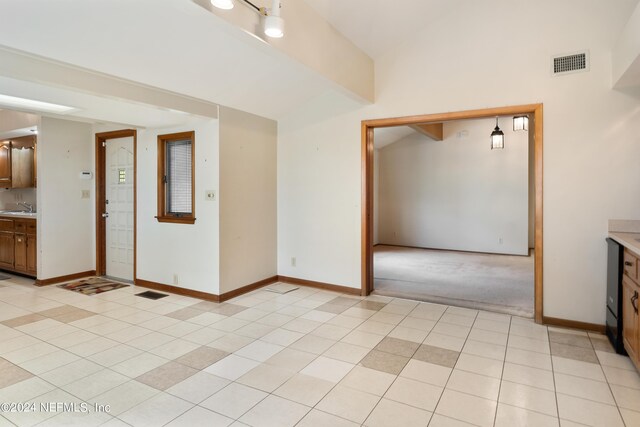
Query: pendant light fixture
520,123
223,4
497,137
273,23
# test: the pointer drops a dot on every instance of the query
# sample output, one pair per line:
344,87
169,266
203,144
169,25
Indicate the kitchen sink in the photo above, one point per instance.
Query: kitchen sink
12,212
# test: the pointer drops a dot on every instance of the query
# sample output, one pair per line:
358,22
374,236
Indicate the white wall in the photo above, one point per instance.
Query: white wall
248,205
591,139
189,251
457,193
65,220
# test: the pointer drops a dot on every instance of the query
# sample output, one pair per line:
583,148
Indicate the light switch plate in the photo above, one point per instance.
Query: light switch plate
210,195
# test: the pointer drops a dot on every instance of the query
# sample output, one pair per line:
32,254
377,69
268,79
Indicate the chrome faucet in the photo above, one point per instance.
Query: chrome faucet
26,205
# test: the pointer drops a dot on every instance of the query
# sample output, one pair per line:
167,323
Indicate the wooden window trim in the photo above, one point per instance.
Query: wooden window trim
163,216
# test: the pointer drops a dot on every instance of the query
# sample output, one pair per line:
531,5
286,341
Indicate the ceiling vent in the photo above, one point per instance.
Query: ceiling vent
571,63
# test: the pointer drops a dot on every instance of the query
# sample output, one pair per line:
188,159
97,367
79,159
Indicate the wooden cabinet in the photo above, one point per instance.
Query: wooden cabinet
630,303
18,162
18,245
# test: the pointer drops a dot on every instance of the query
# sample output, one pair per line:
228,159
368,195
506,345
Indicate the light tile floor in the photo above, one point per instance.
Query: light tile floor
305,358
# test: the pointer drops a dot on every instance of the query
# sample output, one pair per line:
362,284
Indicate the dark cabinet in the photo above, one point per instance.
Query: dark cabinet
6,250
32,260
20,252
18,162
630,318
18,245
5,164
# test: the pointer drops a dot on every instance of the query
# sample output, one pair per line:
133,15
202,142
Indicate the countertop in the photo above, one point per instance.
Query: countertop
19,215
630,241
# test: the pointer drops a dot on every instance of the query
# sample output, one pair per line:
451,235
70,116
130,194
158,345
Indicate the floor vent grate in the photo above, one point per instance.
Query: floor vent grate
151,295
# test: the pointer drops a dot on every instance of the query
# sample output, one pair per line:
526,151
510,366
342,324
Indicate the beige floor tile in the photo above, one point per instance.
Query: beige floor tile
204,336
327,369
125,396
331,332
588,412
304,326
12,374
467,408
509,416
424,325
444,341
72,372
202,357
363,339
317,418
475,384
368,380
426,372
294,360
628,398
23,320
231,342
26,390
232,367
414,393
390,413
530,344
534,377
373,327
578,368
615,360
529,358
436,355
198,387
480,365
397,346
304,389
573,352
29,353
138,365
275,411
254,330
451,330
174,349
345,321
234,400
570,339
408,334
265,377
438,420
584,388
198,416
167,375
313,344
528,329
631,418
491,325
347,352
531,398
490,337
282,337
622,377
384,362
348,403
95,384
158,410
114,355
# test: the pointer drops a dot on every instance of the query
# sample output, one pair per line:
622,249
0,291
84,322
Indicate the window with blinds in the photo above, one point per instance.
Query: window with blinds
176,178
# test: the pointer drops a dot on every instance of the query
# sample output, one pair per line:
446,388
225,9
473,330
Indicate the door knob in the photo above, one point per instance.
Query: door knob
105,215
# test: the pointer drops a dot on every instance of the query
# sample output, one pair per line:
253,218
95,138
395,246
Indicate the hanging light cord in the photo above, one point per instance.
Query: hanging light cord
259,9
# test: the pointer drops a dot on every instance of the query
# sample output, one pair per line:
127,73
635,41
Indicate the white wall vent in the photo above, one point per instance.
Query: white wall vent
570,63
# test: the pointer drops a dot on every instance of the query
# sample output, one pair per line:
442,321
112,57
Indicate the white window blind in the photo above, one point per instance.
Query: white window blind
178,179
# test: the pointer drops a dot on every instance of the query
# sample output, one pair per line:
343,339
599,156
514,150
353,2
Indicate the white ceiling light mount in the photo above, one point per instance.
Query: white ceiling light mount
273,22
223,4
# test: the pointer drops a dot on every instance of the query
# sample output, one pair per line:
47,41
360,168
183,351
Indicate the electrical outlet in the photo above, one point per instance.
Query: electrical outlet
176,279
293,261
210,195
85,194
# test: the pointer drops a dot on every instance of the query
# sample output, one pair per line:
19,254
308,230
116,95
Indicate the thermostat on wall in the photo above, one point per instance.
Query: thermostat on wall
86,175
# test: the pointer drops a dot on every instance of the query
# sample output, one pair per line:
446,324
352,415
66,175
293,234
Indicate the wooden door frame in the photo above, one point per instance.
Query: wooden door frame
368,126
101,230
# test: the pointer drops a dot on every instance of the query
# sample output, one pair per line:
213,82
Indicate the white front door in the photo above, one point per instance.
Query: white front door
119,207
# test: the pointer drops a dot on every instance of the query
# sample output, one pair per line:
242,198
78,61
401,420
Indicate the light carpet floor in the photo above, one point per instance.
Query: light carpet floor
502,283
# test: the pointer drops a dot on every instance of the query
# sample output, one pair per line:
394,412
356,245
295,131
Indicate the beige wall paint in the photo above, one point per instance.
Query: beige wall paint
591,143
248,202
456,194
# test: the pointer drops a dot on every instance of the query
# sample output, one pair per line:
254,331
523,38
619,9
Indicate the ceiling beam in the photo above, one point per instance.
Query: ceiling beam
430,130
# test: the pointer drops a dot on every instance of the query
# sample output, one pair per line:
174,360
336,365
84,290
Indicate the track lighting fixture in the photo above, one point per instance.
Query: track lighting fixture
497,137
273,22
